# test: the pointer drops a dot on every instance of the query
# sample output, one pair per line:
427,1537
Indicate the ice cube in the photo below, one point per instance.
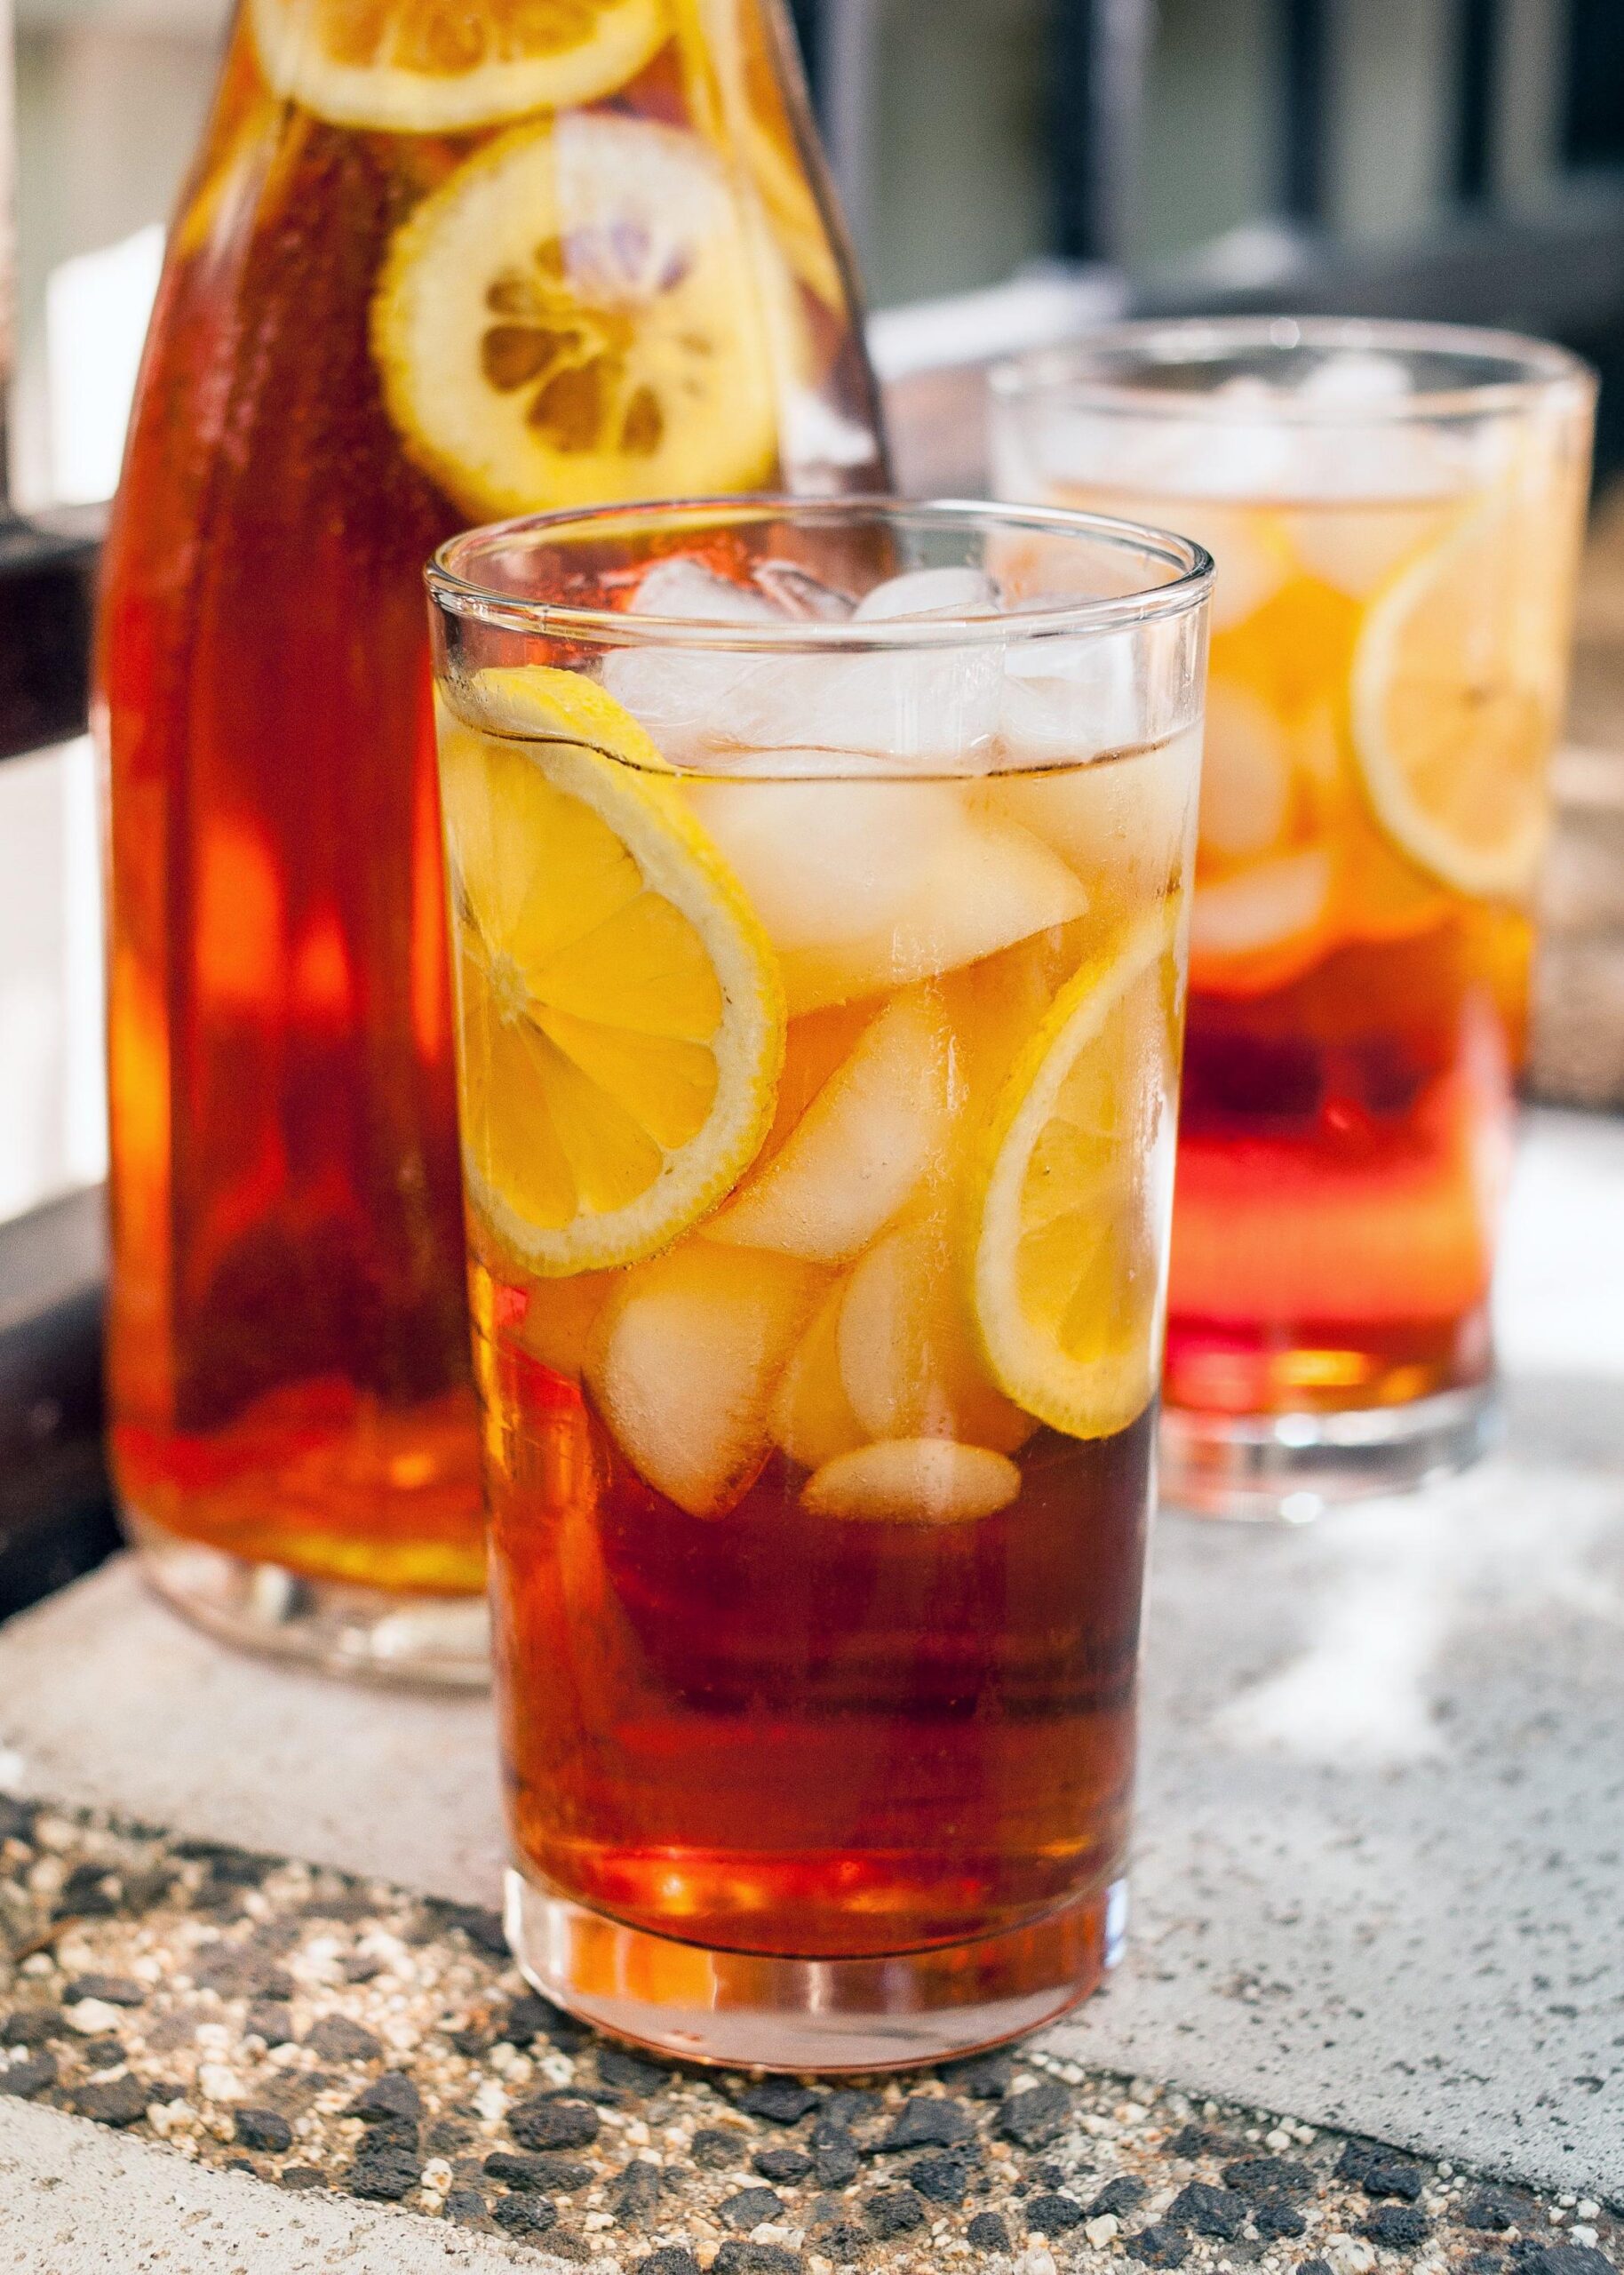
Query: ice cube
1122,825
1356,546
799,593
1068,698
863,886
996,1007
1268,907
1356,448
682,587
1234,445
676,692
1381,459
1252,554
823,861
862,1148
931,710
811,1416
909,1358
992,888
913,1480
686,1362
934,711
1245,775
680,693
1355,377
937,709
929,592
561,1320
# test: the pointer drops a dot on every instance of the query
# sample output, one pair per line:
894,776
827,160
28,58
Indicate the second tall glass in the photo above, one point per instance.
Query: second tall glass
818,897
1395,512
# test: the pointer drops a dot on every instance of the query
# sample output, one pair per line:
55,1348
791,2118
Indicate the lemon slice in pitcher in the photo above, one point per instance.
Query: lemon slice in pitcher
580,315
1074,1191
1454,700
430,67
622,1018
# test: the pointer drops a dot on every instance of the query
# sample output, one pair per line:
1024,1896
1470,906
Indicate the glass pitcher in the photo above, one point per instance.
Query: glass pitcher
436,261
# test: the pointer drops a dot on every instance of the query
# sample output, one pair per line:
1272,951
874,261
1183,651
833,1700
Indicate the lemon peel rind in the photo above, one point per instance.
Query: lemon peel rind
383,98
1027,1368
676,860
1505,872
541,703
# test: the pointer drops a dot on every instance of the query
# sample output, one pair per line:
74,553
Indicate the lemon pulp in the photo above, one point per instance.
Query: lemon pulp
588,310
430,67
1074,1192
621,1017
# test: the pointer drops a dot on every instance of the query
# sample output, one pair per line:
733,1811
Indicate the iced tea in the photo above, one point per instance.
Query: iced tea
1394,526
819,1001
434,263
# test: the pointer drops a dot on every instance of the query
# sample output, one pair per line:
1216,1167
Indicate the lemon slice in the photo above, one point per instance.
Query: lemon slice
433,66
1455,689
542,704
734,83
1075,1192
620,1014
577,315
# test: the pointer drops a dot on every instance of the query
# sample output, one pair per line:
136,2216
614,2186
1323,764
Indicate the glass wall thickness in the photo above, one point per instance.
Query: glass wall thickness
1395,512
818,880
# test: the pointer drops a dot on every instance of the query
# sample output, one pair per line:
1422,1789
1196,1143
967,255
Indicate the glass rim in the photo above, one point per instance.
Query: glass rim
1534,369
466,596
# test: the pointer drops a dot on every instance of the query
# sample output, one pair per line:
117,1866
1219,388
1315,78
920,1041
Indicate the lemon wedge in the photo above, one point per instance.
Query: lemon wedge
1455,692
1074,1191
539,703
578,315
620,1014
734,78
431,66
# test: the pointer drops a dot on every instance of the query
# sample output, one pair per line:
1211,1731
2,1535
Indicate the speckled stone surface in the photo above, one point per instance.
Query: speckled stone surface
341,2042
1382,1856
1382,1831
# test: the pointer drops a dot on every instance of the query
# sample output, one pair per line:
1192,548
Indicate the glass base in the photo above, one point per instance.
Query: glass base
337,1626
746,2010
1291,1468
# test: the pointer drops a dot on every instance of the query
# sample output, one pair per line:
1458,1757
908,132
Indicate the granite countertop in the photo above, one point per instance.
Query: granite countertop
1373,2016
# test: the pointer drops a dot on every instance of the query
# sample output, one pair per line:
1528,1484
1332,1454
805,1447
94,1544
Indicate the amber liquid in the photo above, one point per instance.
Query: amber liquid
1346,1115
788,1734
289,1364
1345,1127
1342,1147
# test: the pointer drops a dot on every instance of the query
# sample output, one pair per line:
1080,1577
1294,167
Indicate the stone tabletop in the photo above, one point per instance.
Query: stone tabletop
1377,1889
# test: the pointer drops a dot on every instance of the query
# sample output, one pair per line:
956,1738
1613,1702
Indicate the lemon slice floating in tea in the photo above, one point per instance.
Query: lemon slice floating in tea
622,1016
587,310
1073,1192
542,704
435,68
1454,693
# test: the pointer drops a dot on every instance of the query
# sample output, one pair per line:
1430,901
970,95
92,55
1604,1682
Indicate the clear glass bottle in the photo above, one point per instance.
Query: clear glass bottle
435,261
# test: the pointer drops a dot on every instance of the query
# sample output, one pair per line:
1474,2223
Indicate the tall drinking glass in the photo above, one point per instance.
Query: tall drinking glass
817,884
1395,511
